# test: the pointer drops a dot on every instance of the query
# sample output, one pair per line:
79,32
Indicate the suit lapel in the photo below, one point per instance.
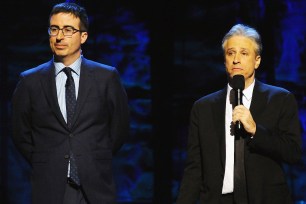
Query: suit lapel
260,104
257,105
84,88
49,87
219,120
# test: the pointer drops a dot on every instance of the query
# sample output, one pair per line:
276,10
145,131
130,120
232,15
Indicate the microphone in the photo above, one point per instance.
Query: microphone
238,86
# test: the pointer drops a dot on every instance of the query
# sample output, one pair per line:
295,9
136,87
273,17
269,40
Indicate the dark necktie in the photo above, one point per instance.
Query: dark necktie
240,192
70,108
70,96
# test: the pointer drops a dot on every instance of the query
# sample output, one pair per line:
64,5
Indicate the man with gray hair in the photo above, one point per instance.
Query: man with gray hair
240,136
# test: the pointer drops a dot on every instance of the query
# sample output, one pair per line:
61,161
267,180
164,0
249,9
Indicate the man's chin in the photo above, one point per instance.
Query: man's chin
60,52
59,57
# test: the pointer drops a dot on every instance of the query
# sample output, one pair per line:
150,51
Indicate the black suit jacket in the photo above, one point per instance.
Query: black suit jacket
277,140
100,127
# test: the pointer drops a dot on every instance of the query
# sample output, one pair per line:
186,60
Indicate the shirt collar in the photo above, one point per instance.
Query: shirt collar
247,93
75,66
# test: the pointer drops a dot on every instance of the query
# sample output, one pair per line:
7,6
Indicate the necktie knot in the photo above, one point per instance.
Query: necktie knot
68,72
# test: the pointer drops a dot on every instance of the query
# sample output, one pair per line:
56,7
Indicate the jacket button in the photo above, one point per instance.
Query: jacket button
67,156
70,135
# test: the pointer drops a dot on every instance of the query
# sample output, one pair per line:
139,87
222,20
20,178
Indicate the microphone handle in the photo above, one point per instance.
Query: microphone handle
239,125
239,97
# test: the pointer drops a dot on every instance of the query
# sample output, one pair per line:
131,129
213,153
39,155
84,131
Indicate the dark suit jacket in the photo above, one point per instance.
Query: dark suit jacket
100,126
277,140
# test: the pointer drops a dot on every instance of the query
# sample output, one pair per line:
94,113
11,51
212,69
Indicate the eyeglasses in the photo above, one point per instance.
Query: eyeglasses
68,31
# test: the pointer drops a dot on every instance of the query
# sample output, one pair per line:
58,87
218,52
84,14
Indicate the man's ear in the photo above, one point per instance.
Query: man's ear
257,61
84,36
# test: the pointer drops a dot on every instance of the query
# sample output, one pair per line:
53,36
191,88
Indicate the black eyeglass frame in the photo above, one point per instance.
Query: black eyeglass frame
63,31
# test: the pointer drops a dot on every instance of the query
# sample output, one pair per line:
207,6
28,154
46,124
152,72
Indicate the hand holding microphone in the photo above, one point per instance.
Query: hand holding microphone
244,123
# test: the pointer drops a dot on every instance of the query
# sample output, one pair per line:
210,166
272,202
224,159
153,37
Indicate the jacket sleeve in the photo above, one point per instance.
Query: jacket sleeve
282,141
21,119
190,186
119,111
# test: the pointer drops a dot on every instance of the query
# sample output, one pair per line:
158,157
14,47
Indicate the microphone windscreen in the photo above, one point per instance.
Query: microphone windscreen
238,82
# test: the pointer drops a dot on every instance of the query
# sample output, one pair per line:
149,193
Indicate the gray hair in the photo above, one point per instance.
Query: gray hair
246,31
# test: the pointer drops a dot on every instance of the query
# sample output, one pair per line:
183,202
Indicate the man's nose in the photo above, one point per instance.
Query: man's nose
60,35
236,59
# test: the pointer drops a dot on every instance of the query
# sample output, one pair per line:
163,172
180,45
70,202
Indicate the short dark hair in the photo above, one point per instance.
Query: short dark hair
74,9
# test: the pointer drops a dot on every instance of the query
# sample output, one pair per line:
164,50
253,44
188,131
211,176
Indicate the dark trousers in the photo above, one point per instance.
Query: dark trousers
74,195
227,198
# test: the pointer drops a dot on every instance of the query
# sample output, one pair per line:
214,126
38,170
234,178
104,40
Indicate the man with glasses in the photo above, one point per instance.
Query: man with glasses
70,115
